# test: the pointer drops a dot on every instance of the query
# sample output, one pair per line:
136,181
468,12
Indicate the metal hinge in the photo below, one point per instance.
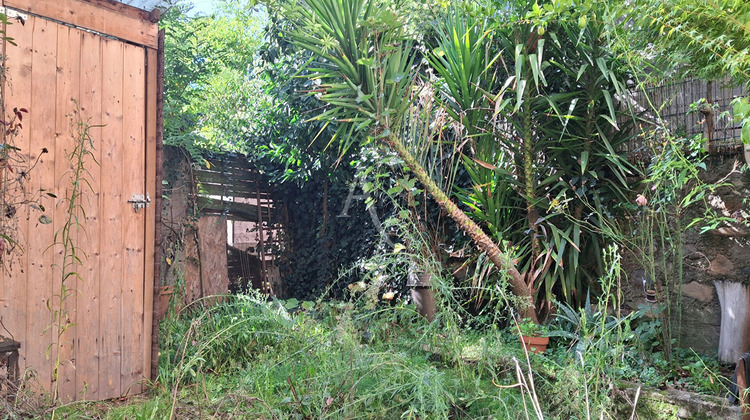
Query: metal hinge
14,14
139,201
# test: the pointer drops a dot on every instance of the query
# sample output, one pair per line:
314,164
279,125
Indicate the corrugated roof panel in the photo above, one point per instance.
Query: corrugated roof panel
147,5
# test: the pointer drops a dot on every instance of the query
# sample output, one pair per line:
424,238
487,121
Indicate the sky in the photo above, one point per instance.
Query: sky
203,7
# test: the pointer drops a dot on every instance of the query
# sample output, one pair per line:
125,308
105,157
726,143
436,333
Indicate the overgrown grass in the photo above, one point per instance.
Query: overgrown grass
367,358
335,360
249,357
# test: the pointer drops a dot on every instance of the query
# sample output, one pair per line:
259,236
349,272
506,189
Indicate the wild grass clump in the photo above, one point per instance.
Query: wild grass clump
365,357
331,360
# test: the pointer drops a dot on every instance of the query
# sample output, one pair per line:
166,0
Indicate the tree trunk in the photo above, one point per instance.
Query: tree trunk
485,243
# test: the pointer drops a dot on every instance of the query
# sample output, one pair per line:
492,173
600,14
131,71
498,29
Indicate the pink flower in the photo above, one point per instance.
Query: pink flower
641,200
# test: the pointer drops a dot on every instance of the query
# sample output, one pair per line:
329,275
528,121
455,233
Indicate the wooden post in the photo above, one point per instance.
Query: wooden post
158,310
708,112
742,391
261,242
734,339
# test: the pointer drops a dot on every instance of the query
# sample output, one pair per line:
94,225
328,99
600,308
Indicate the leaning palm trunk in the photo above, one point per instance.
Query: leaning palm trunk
367,71
481,240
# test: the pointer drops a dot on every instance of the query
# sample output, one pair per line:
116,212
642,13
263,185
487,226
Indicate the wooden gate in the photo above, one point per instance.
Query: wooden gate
97,57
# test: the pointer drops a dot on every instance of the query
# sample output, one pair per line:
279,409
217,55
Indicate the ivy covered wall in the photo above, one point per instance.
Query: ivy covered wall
323,241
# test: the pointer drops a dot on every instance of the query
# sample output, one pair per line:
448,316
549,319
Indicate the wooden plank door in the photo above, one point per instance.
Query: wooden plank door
78,83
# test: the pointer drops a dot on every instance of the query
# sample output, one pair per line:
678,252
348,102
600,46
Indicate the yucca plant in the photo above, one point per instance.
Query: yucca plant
464,58
501,154
589,153
366,66
542,128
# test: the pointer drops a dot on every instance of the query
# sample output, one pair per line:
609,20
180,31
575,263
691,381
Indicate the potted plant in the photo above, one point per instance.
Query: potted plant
533,336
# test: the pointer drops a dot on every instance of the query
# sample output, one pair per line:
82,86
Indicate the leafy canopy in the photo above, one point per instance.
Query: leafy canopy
212,95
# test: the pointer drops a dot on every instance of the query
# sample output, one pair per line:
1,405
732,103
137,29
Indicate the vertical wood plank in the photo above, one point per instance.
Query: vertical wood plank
17,93
42,132
742,384
151,183
133,223
89,347
113,204
67,93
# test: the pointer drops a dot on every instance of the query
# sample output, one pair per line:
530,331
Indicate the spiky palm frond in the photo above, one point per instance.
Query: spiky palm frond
363,62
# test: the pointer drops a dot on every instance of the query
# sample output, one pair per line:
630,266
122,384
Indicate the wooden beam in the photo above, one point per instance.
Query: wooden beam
113,212
121,8
90,348
230,190
157,310
67,93
14,282
137,233
242,178
41,276
104,16
742,390
248,212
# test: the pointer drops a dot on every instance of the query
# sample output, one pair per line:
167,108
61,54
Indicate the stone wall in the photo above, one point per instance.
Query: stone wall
722,254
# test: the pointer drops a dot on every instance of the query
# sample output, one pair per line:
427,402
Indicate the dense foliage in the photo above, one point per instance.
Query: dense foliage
536,124
251,358
325,241
521,101
212,99
708,39
545,132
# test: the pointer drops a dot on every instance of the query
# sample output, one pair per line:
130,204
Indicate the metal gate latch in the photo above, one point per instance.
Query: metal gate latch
139,201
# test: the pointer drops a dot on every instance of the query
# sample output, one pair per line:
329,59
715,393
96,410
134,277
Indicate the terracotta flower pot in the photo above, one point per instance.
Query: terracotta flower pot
535,344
